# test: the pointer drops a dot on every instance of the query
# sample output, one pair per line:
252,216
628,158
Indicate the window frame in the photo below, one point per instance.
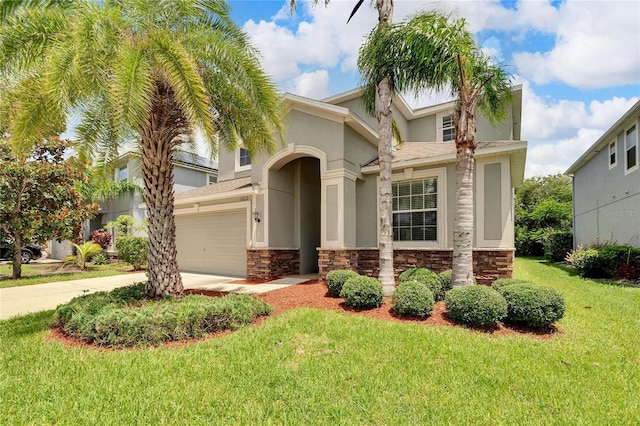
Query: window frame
615,153
241,168
124,168
633,168
441,202
440,128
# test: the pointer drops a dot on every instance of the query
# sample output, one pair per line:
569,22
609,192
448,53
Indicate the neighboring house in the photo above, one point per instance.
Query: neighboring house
606,186
313,205
190,171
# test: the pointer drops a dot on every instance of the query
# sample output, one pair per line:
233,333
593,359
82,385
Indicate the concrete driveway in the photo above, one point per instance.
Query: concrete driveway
27,299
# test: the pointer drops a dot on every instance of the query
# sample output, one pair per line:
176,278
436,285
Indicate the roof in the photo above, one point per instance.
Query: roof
216,188
604,140
184,158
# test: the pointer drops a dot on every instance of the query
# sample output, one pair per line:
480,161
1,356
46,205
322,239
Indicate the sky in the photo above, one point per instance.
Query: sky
578,61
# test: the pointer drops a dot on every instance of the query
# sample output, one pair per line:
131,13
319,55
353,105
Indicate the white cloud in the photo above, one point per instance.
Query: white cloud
314,85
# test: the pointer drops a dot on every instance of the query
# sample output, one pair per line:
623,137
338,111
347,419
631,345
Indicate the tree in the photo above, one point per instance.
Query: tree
155,71
382,111
431,51
38,200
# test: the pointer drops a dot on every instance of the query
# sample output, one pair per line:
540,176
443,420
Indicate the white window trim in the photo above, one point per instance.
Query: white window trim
615,149
439,127
408,175
628,170
238,167
209,176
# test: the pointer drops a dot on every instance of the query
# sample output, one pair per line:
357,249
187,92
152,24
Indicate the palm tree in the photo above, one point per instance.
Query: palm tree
433,52
382,112
155,70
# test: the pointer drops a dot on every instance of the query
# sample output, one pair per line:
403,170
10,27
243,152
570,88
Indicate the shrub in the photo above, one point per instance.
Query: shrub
102,238
586,261
109,319
532,305
431,280
407,275
84,252
100,259
362,292
602,261
133,250
336,279
445,277
413,299
476,305
557,245
501,283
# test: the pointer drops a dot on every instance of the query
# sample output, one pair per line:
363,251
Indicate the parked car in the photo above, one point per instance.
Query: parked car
29,252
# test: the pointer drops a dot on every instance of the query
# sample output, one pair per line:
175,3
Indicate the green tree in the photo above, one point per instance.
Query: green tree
38,200
381,109
431,51
154,70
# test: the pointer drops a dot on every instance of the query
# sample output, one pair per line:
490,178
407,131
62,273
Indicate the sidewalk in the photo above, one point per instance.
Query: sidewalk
27,299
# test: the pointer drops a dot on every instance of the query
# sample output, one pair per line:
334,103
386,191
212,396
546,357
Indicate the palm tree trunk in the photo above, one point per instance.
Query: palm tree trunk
157,145
17,257
383,114
464,216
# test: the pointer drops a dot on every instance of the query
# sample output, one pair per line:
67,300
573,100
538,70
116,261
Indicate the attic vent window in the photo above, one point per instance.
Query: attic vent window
631,146
612,154
448,130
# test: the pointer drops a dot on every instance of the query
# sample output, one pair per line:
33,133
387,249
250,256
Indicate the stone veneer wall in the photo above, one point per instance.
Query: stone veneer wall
488,264
272,263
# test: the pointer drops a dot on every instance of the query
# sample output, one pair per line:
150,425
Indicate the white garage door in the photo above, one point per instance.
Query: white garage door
213,243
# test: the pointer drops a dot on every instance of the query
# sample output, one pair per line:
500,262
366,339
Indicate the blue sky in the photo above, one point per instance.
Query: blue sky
578,61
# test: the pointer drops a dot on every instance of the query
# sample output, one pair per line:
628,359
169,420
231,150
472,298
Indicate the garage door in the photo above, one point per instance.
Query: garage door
213,243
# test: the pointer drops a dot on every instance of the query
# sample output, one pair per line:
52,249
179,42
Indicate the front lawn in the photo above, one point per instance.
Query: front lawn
40,273
312,366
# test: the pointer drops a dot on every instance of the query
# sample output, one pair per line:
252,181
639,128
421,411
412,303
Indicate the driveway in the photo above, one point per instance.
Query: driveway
27,299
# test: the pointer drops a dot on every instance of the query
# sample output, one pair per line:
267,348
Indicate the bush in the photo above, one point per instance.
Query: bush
336,279
557,245
122,319
445,277
362,292
532,305
102,237
100,259
407,275
431,280
586,261
501,283
602,261
476,305
413,299
133,250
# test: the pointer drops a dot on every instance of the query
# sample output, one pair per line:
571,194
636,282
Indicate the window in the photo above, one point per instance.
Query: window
245,158
123,173
631,148
415,210
612,154
212,179
448,131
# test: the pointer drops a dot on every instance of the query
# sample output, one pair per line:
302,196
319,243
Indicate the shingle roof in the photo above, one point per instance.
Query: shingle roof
416,150
216,188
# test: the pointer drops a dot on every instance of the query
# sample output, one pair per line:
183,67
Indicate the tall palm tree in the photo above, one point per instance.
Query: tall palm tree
382,111
434,52
152,69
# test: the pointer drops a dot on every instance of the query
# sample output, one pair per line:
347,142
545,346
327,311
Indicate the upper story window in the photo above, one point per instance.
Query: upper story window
211,179
243,160
123,173
448,131
415,210
631,149
612,154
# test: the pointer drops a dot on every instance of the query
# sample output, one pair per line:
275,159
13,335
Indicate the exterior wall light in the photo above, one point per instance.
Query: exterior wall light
256,216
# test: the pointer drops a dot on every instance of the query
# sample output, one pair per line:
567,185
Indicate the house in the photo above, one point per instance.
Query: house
313,205
190,171
606,186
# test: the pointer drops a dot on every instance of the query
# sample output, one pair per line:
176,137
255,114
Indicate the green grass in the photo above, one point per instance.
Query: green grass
53,272
310,366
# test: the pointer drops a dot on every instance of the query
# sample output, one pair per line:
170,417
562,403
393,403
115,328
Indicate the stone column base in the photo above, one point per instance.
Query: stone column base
271,263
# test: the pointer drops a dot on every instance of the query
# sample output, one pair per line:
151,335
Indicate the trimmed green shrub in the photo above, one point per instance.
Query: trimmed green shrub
108,319
431,280
413,299
407,274
336,279
557,245
602,261
532,305
501,283
133,250
445,277
362,292
475,305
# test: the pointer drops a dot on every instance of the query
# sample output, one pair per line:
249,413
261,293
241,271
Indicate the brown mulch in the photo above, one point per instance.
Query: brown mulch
313,294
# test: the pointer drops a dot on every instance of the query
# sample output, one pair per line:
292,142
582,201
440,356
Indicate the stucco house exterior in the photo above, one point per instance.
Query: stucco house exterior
313,205
606,186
